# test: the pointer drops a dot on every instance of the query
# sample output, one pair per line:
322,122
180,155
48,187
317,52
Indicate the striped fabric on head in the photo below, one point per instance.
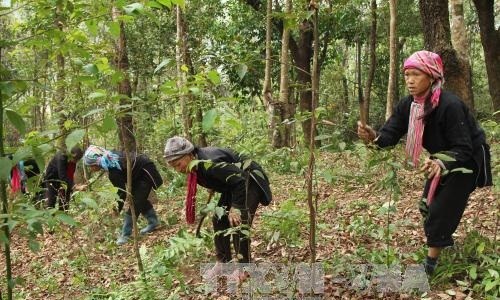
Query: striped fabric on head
98,156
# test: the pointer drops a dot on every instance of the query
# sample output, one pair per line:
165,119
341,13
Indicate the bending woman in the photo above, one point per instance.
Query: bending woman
145,176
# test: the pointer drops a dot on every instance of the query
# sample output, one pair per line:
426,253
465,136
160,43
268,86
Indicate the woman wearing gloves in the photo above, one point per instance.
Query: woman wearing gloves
242,184
145,176
441,123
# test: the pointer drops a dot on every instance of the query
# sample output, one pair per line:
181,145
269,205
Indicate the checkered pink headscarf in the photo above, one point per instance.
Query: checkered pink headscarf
431,64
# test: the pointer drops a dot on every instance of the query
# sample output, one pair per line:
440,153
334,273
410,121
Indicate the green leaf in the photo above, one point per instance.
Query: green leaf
3,238
153,4
134,8
493,273
108,124
220,212
242,70
90,202
443,157
489,285
463,170
91,69
114,29
181,3
5,167
92,27
99,94
214,77
161,65
167,3
16,120
473,272
74,138
209,119
66,219
34,245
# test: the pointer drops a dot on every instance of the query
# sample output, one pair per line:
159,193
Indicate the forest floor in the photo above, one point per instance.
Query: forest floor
84,263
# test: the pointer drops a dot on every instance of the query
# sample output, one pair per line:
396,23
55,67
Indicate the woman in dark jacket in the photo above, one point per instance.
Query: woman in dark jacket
441,123
59,177
145,177
242,183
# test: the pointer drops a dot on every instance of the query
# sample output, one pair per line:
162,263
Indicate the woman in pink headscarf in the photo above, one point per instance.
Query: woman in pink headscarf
440,122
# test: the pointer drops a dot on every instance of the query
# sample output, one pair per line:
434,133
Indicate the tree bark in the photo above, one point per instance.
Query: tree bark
460,43
60,93
392,85
180,51
125,122
437,38
373,62
490,38
267,92
361,101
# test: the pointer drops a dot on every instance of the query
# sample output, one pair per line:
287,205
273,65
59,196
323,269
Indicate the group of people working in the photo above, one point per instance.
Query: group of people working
431,118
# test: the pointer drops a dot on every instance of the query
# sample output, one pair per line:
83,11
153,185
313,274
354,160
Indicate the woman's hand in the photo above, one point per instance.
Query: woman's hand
234,216
431,168
366,133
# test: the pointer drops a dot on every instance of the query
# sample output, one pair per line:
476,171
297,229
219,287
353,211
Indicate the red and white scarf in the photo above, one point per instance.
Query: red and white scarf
192,181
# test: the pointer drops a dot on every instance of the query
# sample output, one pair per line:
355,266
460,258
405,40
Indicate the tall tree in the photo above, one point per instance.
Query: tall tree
459,41
60,93
373,61
437,38
392,85
490,38
267,92
180,54
301,53
125,122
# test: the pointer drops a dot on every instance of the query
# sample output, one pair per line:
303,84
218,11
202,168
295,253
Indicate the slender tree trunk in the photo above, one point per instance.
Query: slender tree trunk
490,39
127,138
345,86
460,43
391,87
267,92
315,96
437,38
60,93
373,61
180,51
361,101
280,106
3,196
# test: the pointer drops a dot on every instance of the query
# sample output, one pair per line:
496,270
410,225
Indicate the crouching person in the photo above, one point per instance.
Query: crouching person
145,177
242,183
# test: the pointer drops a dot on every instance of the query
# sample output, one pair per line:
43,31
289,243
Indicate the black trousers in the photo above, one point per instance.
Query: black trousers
56,193
140,194
241,241
448,206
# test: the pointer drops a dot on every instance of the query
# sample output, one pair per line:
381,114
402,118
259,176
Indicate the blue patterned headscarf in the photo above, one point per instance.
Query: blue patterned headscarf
98,156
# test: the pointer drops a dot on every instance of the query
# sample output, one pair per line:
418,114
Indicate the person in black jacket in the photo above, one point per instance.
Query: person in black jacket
145,177
242,183
442,124
59,177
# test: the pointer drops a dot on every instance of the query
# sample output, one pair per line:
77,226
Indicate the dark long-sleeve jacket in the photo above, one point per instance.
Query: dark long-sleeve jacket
450,128
143,169
225,172
57,170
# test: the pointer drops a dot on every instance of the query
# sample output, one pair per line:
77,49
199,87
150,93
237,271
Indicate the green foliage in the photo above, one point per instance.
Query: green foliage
473,265
283,226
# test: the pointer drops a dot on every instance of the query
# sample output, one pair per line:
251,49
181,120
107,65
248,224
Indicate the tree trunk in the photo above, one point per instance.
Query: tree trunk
437,38
127,138
345,86
373,62
393,38
490,38
361,101
267,92
279,108
180,51
313,205
60,93
460,43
